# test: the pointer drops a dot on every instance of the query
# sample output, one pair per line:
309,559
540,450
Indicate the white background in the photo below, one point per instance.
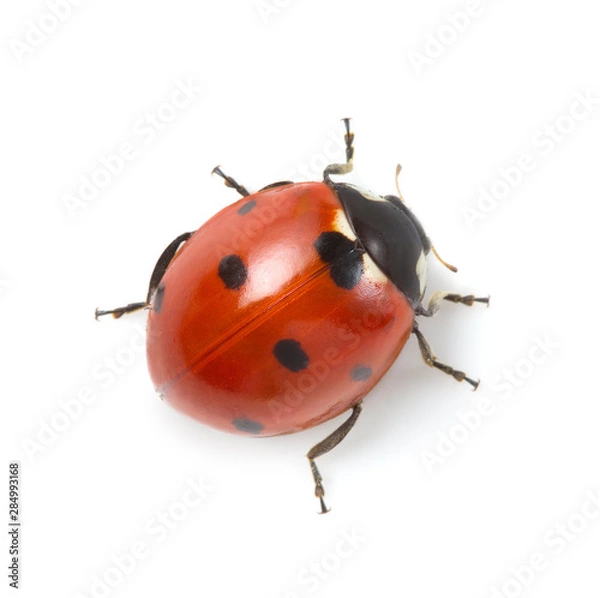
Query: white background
269,89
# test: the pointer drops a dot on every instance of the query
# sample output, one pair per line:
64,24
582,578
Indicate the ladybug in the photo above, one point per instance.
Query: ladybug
286,308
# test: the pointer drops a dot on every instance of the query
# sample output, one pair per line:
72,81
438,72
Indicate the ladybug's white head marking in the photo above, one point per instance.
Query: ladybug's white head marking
421,270
341,225
373,271
367,193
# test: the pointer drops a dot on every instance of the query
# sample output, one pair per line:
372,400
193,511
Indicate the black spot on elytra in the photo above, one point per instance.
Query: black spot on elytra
345,258
243,424
289,354
346,272
232,271
158,297
333,245
361,373
247,207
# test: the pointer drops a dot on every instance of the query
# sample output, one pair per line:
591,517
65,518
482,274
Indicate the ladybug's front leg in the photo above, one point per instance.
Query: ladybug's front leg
347,166
434,302
325,446
159,271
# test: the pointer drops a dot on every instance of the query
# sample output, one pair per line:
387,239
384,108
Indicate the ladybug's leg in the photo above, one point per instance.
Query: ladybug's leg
347,166
159,271
231,182
430,359
434,302
117,312
325,446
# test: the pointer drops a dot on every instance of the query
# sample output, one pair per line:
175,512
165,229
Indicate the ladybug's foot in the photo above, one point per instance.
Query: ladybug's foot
430,359
325,446
434,302
231,182
456,374
349,139
466,299
319,490
120,311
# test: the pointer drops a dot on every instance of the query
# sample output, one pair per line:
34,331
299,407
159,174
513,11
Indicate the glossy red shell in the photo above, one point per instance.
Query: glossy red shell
211,348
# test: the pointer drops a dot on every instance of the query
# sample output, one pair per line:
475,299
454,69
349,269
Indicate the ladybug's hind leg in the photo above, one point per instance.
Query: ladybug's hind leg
431,360
325,446
159,271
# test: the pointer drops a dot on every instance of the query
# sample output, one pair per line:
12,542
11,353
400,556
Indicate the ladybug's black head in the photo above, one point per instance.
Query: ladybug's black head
391,235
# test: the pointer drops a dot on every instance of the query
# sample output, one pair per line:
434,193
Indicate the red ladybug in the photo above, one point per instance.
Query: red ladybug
287,307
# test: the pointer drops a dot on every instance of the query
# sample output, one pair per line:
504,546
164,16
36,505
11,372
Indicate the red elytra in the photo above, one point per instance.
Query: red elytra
287,307
211,349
